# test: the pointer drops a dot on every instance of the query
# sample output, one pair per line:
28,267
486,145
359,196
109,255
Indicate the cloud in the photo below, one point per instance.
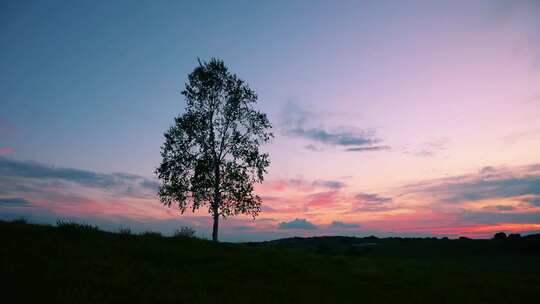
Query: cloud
244,228
50,192
150,184
300,123
298,196
283,210
14,202
331,184
312,147
488,183
429,149
487,170
532,99
297,224
535,201
489,189
368,202
40,193
338,137
498,217
504,207
323,199
6,150
266,208
368,149
23,174
527,135
371,198
342,225
302,185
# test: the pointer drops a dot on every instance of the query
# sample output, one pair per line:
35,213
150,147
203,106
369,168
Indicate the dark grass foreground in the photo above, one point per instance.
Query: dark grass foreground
79,264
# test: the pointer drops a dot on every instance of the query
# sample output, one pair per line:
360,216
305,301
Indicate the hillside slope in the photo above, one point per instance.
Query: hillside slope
77,264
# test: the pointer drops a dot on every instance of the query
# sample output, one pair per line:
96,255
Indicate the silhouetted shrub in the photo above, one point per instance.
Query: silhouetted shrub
535,236
124,230
20,221
70,226
185,231
464,238
514,236
151,234
499,235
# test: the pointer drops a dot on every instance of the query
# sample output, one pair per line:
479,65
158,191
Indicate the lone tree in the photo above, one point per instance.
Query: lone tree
211,153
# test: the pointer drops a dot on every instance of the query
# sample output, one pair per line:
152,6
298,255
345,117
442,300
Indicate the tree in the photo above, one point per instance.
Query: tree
499,236
211,153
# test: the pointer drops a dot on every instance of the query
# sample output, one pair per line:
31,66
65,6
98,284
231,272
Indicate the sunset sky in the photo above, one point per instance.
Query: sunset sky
391,118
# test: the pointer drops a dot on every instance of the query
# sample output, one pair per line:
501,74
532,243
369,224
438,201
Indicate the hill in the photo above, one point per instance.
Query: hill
80,264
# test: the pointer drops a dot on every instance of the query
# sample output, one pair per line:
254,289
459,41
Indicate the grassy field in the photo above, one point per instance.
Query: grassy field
80,264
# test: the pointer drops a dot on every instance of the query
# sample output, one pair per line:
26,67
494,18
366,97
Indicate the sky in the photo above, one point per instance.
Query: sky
413,118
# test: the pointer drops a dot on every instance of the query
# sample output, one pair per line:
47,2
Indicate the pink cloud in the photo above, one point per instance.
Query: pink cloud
282,185
299,185
6,150
285,210
323,199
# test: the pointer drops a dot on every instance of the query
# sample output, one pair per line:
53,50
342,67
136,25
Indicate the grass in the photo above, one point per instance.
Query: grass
85,265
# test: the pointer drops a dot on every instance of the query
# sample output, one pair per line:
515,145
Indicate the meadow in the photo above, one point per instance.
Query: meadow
72,263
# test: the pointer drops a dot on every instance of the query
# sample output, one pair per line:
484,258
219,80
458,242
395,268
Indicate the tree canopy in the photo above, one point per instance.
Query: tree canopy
211,154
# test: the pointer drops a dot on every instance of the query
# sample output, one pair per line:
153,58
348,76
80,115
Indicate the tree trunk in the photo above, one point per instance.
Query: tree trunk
217,194
216,225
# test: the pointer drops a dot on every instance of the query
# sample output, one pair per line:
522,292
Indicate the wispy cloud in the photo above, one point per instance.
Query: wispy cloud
533,99
14,201
369,202
527,135
430,148
535,200
500,217
323,199
331,184
368,149
370,198
17,174
493,198
342,225
300,123
337,137
488,183
43,191
302,185
243,228
500,208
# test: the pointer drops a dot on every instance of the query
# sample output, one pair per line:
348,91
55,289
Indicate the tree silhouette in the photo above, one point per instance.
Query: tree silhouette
499,235
211,153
